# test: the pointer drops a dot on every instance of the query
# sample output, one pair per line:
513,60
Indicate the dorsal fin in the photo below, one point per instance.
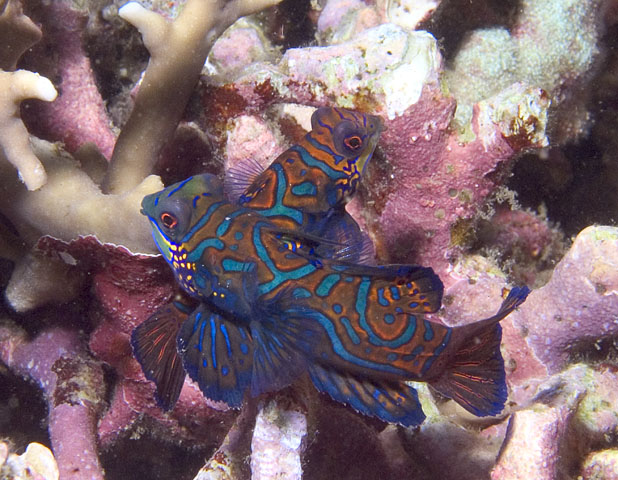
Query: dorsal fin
239,177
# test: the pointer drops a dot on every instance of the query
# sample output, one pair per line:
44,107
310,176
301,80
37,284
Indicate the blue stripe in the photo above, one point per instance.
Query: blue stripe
345,321
313,162
326,285
225,224
279,276
280,209
340,350
200,224
437,351
395,293
227,339
196,253
230,265
381,300
199,343
213,341
182,184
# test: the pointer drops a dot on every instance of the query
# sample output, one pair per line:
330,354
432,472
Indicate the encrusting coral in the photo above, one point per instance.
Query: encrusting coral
453,132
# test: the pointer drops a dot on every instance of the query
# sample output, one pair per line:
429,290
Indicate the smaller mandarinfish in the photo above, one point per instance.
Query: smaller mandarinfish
272,306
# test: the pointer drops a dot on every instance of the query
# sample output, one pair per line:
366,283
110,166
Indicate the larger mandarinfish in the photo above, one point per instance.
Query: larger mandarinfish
305,188
272,306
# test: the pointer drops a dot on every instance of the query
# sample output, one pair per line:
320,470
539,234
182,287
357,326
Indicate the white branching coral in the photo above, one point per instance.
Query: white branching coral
178,51
14,138
17,34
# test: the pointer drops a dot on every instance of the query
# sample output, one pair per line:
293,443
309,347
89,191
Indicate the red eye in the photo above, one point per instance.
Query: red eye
168,220
353,142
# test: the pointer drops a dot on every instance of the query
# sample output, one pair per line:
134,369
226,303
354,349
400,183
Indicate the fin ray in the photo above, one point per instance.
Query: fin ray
390,402
475,376
217,354
154,347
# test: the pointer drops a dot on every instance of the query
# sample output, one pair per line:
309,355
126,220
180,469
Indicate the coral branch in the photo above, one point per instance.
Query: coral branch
15,87
17,33
72,383
178,50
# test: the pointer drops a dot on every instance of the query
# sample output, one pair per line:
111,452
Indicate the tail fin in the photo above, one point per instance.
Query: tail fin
475,376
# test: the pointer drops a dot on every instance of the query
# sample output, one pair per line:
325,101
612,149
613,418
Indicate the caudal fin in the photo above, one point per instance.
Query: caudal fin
475,376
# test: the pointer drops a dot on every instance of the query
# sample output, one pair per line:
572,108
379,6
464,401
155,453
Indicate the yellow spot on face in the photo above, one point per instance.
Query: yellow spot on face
223,295
175,265
215,293
184,255
183,265
189,277
173,248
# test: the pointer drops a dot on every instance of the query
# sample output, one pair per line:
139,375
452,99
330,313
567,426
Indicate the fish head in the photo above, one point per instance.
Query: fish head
176,210
352,136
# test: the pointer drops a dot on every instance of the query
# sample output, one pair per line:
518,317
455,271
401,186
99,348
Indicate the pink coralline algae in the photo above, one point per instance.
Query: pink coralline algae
458,111
78,115
127,288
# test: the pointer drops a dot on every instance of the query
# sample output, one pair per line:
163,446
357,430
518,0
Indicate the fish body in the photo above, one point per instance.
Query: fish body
275,266
269,299
303,186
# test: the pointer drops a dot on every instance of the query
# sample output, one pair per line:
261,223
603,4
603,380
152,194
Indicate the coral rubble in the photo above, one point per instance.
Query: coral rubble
457,119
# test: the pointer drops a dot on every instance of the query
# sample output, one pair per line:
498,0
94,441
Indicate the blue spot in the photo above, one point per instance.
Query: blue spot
233,247
337,308
243,348
413,305
238,235
303,172
204,363
388,318
368,350
395,293
391,357
349,279
225,371
156,201
398,310
304,189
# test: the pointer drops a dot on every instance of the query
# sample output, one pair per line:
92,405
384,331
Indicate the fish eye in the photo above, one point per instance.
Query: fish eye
174,216
168,220
353,142
348,138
